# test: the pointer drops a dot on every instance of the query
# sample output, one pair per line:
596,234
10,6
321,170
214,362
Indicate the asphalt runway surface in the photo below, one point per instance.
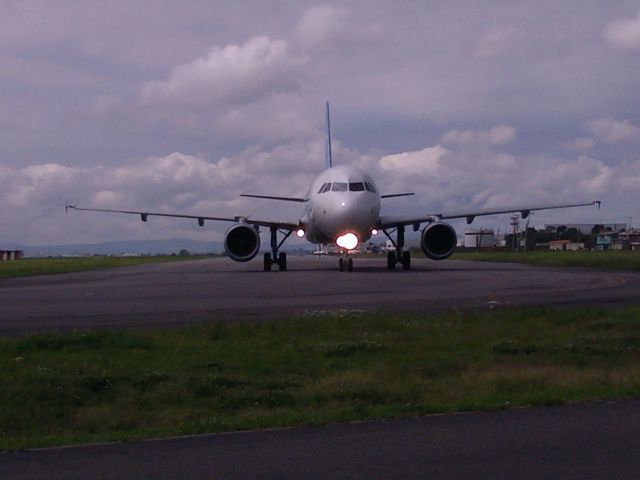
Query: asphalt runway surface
589,440
218,289
582,441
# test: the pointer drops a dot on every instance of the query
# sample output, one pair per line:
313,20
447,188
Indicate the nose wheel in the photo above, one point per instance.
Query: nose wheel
345,263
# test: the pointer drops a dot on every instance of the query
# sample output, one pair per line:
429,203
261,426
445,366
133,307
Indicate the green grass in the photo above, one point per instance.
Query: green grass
616,260
116,385
46,266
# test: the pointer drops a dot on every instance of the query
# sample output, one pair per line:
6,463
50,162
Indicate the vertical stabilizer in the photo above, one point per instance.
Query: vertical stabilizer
327,146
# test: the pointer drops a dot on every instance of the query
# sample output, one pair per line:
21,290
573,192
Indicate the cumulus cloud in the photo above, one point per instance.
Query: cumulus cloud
426,161
177,182
320,24
624,35
228,75
498,135
609,130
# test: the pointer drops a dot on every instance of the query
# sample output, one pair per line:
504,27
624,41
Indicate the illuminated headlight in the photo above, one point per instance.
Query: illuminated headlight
348,241
300,233
374,231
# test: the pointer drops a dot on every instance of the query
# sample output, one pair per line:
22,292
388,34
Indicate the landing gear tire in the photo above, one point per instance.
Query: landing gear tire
350,264
282,262
406,260
341,265
267,262
391,261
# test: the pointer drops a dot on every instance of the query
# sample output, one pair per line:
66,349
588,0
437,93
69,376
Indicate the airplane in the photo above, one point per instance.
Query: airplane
342,207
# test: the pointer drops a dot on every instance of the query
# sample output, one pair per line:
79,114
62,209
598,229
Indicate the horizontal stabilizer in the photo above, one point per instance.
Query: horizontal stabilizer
270,197
397,195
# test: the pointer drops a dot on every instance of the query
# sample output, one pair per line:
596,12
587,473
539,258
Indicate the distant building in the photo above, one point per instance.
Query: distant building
633,238
605,240
558,244
480,238
6,255
566,245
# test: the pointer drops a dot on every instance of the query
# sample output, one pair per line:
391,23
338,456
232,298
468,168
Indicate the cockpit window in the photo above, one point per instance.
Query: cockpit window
369,187
356,187
324,187
339,187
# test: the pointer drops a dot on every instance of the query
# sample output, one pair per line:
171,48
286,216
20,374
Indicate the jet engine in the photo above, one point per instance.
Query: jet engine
438,240
242,242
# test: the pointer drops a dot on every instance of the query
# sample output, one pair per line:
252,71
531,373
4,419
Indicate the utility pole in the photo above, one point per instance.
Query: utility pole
526,231
515,223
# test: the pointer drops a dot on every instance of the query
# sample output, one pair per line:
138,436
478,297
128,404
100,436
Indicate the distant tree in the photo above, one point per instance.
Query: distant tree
572,234
597,229
184,253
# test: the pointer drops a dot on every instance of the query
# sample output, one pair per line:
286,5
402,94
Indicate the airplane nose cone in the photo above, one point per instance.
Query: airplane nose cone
350,214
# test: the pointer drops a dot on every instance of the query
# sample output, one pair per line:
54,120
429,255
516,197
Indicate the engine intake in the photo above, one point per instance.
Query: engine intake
438,240
242,242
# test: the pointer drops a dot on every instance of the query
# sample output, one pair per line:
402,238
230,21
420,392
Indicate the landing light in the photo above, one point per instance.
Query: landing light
300,233
374,231
348,241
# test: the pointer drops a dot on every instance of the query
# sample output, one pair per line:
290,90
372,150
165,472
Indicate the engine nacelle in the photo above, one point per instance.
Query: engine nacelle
438,240
242,242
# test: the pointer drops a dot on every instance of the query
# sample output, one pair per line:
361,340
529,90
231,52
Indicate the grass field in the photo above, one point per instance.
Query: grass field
617,260
87,387
45,266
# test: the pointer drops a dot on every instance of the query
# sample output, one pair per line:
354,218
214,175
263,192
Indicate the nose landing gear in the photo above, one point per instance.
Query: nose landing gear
349,264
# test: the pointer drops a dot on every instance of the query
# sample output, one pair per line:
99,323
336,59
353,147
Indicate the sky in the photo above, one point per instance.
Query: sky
182,106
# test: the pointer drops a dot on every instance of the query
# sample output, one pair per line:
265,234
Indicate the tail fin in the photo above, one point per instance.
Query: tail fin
327,146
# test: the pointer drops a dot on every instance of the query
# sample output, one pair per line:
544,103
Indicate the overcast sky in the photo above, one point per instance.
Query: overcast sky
181,106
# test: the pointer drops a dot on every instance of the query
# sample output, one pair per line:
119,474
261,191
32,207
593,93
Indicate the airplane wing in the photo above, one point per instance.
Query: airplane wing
398,220
200,218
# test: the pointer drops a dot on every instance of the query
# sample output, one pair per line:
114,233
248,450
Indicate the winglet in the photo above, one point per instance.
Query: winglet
328,160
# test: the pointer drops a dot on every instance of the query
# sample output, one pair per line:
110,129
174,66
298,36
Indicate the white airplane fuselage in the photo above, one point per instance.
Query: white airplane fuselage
342,200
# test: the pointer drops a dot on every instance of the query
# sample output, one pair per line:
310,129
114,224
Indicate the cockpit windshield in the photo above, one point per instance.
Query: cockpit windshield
344,187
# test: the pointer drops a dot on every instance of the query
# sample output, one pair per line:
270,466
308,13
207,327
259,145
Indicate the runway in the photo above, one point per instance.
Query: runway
218,289
589,440
583,441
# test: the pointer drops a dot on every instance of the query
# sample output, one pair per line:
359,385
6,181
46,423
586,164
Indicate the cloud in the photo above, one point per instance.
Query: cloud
580,144
426,161
320,24
498,135
497,42
624,35
609,130
177,182
234,74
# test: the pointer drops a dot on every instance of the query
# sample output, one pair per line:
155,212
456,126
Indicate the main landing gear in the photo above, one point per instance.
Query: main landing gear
275,258
400,255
